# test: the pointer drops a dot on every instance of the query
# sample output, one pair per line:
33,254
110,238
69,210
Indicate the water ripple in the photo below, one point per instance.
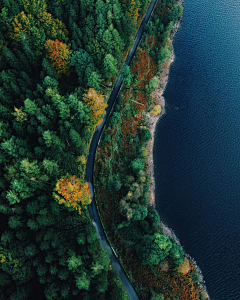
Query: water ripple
197,149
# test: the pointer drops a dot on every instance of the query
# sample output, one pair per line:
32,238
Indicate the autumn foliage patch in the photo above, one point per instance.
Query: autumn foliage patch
72,192
97,105
59,54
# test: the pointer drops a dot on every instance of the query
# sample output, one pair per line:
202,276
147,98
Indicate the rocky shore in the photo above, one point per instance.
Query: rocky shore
152,122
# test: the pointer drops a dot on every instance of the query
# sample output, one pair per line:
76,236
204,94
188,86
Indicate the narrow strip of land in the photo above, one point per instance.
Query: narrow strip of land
91,157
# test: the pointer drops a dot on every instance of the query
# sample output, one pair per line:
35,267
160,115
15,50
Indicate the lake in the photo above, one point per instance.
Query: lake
197,143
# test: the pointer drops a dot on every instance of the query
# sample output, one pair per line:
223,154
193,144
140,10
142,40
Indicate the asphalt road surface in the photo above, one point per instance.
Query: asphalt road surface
90,163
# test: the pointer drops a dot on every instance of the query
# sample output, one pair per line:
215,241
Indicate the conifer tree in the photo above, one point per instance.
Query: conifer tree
81,60
51,167
27,48
10,58
75,137
110,65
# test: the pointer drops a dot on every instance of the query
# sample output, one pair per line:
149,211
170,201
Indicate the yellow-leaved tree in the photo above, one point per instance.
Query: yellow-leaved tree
72,192
95,102
38,24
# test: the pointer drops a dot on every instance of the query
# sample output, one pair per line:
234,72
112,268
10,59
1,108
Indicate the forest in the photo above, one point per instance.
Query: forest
58,62
56,57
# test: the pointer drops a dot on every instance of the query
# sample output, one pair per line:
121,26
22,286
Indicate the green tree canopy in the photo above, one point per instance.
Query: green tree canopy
137,164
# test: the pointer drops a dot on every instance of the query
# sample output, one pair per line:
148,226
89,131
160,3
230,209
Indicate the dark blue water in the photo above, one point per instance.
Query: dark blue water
197,148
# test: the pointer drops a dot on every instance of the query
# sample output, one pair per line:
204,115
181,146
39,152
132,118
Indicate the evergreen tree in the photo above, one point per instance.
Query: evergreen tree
10,58
110,65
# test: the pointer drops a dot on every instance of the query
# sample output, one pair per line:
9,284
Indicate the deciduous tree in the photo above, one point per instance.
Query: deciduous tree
72,193
59,55
137,164
95,102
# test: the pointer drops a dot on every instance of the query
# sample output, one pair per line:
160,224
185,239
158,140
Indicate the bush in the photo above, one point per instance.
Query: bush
156,110
107,137
154,82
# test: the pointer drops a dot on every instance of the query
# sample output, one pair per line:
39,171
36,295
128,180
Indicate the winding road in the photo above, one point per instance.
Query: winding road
91,157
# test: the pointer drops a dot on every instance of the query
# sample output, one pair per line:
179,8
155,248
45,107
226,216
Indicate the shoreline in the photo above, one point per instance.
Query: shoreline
151,124
153,120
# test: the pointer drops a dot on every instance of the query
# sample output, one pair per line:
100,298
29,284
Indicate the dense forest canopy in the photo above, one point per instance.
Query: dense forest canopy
56,57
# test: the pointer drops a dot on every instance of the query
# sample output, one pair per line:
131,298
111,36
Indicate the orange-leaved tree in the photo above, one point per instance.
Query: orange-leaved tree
59,55
95,102
72,193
